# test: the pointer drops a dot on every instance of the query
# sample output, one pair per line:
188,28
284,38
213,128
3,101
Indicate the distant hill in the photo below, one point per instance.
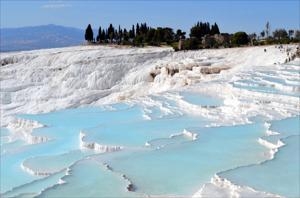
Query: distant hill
38,37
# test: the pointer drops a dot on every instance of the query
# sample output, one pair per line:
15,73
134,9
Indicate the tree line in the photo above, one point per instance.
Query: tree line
202,35
138,35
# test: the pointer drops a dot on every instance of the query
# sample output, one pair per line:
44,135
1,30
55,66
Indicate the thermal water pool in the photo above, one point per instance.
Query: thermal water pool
153,152
280,175
153,148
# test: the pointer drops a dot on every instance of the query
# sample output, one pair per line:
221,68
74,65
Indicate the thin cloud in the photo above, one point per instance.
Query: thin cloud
56,5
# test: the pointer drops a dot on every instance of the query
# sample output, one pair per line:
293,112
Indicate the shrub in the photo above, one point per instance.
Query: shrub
191,43
240,38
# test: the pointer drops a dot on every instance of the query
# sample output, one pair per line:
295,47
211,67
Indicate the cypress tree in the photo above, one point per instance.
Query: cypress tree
217,29
120,34
125,35
137,29
116,35
89,36
111,32
214,29
106,34
102,37
207,29
99,35
132,32
150,35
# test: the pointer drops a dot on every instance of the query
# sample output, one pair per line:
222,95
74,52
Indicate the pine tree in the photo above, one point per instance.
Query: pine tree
207,29
262,34
150,35
214,29
89,36
111,32
99,34
280,34
106,34
137,29
268,29
116,35
102,37
120,34
217,30
197,31
125,35
143,28
132,32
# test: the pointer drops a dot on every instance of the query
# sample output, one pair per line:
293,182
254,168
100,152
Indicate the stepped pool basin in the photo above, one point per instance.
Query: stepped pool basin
244,131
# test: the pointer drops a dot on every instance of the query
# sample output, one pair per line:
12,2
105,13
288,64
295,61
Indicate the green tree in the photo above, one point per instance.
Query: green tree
125,35
240,38
150,36
137,29
262,34
158,36
168,35
179,34
191,44
268,29
197,31
143,28
111,32
102,37
99,34
132,32
120,35
280,34
139,40
214,29
106,35
201,29
89,35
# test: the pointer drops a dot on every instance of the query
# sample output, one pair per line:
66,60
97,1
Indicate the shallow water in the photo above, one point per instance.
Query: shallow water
201,100
283,81
90,179
180,168
162,150
280,175
193,161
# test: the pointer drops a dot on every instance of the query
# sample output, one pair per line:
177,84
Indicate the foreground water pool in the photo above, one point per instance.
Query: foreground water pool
154,148
280,175
165,156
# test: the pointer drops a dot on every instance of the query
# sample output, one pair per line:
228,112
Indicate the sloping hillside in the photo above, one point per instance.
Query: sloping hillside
39,37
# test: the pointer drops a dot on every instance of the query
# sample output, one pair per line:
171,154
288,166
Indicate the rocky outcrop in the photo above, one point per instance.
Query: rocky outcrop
22,128
213,70
95,146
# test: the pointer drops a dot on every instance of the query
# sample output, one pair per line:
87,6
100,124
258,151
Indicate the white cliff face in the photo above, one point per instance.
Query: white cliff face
46,80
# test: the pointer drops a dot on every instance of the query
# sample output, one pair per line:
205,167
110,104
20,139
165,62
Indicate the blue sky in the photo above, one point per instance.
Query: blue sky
231,16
